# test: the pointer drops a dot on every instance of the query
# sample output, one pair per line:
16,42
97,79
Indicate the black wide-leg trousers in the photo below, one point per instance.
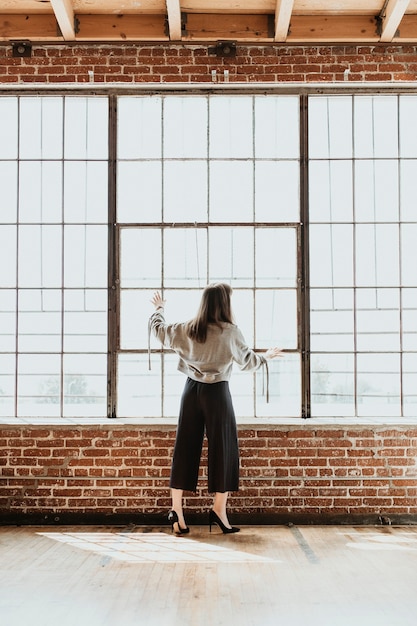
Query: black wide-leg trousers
206,408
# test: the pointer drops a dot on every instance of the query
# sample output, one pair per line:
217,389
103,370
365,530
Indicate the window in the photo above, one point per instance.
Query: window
304,204
363,234
208,190
53,270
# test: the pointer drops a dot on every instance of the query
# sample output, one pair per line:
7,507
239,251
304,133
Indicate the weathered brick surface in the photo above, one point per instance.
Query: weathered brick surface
287,473
140,63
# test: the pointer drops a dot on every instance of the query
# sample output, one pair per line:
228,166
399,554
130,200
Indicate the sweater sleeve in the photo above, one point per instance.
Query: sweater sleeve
159,328
245,357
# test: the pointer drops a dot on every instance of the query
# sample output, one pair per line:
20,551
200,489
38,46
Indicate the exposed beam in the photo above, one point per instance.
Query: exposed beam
394,13
64,13
283,12
174,19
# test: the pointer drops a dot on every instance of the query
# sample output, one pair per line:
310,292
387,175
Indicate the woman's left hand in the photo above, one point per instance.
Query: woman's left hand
157,300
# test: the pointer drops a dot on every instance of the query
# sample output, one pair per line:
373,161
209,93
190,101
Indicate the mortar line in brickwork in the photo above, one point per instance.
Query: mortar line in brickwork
335,479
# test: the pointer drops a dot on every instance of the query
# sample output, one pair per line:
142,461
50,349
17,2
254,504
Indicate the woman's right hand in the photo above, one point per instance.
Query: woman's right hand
273,353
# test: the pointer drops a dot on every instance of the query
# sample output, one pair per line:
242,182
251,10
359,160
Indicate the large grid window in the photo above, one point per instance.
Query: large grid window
363,254
53,256
208,190
304,204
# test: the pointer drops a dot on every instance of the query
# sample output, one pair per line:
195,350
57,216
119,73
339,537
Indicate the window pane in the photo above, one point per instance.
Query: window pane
277,127
85,385
378,330
139,191
332,320
409,319
140,258
409,384
231,191
185,191
276,319
408,254
40,128
38,385
8,196
231,127
85,262
40,192
330,191
139,389
40,325
86,192
376,126
8,127
243,307
231,256
331,255
408,190
332,385
284,388
277,191
378,383
139,128
377,255
7,321
276,257
408,128
185,257
40,256
135,310
8,250
374,199
7,384
85,331
330,127
185,127
86,128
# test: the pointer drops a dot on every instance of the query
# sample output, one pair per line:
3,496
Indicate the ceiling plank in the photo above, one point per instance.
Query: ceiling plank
174,19
394,13
332,28
37,27
64,14
219,26
121,28
283,12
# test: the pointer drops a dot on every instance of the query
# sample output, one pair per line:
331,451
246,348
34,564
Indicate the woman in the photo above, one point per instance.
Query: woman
207,346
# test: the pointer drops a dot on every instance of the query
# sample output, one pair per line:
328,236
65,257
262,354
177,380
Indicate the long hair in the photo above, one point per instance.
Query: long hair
215,308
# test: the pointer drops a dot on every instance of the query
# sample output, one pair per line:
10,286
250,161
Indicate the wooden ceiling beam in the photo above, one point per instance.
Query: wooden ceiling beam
174,19
390,21
242,28
64,14
283,12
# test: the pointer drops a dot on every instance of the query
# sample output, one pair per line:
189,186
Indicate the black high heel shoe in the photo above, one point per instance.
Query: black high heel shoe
173,519
215,519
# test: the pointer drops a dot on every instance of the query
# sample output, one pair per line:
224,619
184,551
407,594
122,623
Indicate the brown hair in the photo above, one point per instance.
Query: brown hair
215,308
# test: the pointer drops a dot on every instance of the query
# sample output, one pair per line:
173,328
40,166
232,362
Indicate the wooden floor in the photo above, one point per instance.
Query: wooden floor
265,575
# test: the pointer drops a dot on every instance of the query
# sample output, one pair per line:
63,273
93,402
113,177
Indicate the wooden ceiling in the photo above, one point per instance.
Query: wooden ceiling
194,21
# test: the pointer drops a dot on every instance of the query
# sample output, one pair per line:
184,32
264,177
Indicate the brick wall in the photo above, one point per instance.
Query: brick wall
140,63
290,473
304,474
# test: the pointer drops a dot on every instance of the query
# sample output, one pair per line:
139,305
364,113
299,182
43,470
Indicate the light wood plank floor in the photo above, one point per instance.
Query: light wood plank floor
265,575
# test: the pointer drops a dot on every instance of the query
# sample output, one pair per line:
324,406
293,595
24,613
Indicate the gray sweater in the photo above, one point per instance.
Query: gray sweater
211,361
